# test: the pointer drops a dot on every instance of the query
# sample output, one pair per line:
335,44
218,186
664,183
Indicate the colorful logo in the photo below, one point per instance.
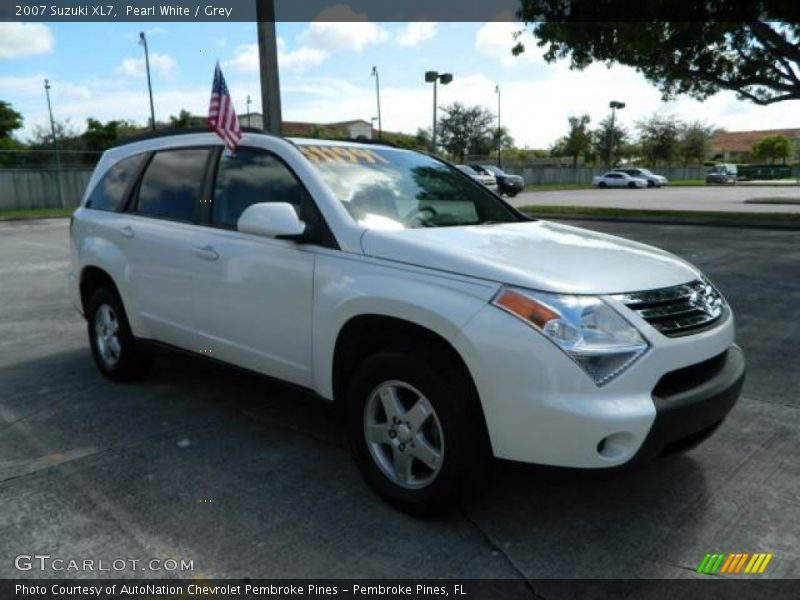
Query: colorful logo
734,563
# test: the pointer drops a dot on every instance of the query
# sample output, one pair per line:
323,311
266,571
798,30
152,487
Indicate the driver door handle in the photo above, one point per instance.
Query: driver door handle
206,252
127,231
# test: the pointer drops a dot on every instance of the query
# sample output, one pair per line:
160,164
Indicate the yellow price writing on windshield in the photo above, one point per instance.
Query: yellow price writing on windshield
342,154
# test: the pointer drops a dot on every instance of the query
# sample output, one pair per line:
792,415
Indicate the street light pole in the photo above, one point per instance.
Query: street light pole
55,143
248,110
435,77
268,63
499,132
143,42
378,96
613,105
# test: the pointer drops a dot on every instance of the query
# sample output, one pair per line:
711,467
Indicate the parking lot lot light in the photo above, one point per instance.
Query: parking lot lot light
435,77
378,97
55,141
143,42
613,105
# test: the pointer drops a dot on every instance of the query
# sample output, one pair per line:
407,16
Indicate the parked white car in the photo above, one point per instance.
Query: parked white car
618,179
448,326
651,178
486,178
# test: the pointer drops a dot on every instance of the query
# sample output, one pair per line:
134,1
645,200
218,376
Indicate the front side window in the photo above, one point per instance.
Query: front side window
251,176
390,188
172,184
110,192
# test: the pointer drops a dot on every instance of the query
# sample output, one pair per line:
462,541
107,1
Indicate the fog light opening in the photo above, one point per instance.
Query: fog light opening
617,446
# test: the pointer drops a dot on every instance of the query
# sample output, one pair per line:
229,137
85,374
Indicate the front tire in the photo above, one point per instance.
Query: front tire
632,185
413,431
113,346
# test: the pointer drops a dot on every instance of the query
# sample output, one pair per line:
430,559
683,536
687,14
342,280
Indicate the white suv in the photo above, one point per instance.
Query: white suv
450,327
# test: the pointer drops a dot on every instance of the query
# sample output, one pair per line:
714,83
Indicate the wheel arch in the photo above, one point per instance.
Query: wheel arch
93,278
366,334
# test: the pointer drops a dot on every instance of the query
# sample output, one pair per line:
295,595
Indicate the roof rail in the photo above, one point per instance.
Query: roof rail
350,140
169,131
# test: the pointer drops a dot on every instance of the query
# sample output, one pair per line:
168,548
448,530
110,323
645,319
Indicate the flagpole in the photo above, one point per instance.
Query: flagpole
268,62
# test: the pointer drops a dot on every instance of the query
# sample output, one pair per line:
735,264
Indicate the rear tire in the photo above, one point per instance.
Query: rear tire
602,184
114,348
423,455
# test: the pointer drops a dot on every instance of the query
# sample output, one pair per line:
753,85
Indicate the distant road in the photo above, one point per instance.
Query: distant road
716,198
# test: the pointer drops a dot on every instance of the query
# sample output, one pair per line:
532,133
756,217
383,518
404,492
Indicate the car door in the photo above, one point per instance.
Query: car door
615,180
161,231
254,294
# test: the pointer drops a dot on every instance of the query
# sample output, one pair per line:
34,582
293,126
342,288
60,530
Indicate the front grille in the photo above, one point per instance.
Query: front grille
678,310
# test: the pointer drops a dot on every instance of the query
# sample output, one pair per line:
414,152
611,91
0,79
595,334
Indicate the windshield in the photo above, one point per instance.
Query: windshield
387,188
494,170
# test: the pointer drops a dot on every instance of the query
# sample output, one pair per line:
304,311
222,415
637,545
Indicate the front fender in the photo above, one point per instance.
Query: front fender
346,287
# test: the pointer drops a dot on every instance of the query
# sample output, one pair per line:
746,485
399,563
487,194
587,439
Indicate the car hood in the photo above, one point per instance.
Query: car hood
538,255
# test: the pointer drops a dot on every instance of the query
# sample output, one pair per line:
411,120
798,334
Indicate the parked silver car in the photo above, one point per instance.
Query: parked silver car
651,178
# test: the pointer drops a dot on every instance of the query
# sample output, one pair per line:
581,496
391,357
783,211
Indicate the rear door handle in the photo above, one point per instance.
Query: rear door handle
206,253
127,231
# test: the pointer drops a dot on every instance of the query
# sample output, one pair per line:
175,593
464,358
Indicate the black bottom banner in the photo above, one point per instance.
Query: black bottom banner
468,589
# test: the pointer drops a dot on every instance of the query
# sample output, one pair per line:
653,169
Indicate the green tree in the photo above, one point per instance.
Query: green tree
606,139
10,120
12,152
694,142
705,51
186,119
464,129
501,138
578,141
98,136
659,139
772,148
40,144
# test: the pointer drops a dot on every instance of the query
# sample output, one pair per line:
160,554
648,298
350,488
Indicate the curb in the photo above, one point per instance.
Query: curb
696,221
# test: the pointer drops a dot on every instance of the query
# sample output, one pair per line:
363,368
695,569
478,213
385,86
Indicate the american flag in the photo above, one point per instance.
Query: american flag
221,115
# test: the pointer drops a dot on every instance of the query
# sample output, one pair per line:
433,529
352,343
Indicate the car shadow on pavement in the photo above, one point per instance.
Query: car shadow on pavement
194,429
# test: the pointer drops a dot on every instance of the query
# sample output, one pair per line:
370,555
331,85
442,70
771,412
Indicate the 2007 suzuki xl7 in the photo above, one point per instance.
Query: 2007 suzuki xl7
451,327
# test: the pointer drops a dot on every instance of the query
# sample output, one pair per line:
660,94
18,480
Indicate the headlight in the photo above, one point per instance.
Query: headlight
587,329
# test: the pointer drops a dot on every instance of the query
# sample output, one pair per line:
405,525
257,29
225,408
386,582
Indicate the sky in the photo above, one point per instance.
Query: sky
97,70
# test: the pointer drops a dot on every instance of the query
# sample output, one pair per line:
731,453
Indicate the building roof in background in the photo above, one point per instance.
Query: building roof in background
303,128
742,141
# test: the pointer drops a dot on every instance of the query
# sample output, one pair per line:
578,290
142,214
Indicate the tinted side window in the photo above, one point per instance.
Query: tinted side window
172,184
251,176
109,193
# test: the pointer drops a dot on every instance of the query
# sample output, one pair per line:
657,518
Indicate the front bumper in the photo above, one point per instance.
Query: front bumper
691,402
541,408
510,185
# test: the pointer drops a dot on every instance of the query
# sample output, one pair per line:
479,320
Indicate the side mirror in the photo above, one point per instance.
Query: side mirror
271,219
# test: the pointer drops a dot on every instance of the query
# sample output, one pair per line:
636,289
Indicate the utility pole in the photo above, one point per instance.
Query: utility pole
55,143
268,62
435,77
613,105
499,132
378,95
143,42
248,110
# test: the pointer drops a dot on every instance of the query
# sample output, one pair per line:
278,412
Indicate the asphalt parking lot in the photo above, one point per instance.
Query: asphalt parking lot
725,198
249,479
